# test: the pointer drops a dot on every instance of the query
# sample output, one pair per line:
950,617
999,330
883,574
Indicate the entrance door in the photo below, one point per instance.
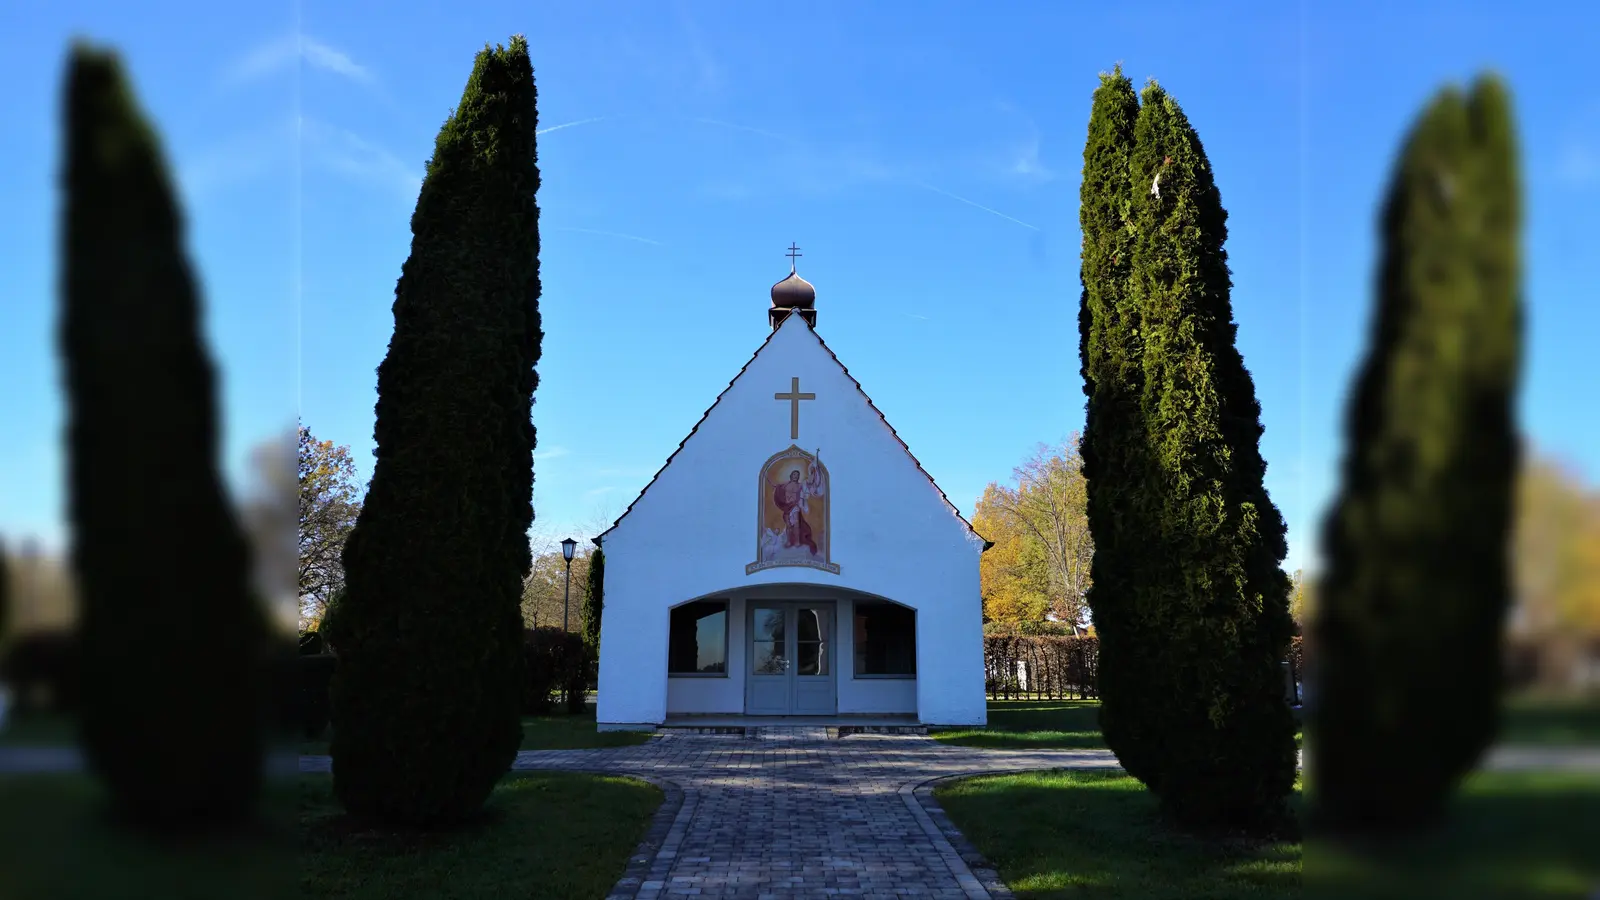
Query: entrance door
791,659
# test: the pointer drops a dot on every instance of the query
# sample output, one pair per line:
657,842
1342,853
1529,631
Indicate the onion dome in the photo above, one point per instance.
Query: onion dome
793,292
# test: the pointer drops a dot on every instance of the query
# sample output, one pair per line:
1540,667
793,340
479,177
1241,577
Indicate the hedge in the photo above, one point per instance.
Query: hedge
1018,663
558,662
1044,666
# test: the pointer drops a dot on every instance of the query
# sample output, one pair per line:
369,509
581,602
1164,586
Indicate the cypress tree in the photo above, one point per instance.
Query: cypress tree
425,700
1410,618
1213,601
5,594
1112,442
176,738
594,602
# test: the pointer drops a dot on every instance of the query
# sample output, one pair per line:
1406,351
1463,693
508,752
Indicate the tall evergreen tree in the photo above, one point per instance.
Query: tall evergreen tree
425,701
594,602
1112,445
1416,587
5,593
177,738
1213,600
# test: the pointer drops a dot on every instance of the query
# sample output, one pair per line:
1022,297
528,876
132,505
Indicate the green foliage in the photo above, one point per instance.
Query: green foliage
1112,445
329,503
142,436
425,700
557,662
1216,600
1187,596
594,602
313,674
1416,584
5,594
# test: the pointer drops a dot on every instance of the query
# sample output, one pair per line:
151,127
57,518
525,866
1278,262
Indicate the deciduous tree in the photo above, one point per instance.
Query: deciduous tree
1011,572
330,502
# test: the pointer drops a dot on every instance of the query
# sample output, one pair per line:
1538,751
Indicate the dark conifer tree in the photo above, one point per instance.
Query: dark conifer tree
594,602
176,737
5,594
1213,600
1409,620
1110,350
425,700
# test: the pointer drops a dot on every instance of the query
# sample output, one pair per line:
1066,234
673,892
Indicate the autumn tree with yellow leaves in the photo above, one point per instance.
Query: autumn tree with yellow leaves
1038,567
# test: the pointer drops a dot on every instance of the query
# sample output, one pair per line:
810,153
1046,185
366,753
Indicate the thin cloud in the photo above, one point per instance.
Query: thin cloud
710,74
736,127
279,54
993,212
915,316
570,124
625,471
615,234
350,154
237,159
550,453
1025,163
595,492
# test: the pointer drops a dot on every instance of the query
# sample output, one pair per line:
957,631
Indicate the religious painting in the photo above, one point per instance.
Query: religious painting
792,518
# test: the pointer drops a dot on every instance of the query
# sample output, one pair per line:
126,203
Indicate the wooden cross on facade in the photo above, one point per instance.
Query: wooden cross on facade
794,397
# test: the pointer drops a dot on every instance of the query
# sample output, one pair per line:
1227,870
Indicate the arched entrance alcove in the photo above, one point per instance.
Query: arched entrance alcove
791,651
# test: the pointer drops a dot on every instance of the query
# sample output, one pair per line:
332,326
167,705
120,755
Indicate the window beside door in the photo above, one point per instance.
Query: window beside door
698,639
886,640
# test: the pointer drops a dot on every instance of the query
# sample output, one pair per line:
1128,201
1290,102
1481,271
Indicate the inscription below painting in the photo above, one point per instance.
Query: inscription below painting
792,526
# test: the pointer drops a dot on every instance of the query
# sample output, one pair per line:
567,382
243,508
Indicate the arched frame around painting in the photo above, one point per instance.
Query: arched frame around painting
794,502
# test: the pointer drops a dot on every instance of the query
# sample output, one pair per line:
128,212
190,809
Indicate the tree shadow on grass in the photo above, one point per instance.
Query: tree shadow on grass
1510,835
541,835
57,840
1099,834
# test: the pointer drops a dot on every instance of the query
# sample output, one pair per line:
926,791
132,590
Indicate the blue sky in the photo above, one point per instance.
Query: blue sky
925,157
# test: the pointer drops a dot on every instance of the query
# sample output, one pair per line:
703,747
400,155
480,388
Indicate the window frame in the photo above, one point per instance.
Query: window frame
727,649
856,676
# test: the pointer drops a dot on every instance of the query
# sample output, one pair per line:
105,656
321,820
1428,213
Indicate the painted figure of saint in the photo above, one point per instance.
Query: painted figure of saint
791,499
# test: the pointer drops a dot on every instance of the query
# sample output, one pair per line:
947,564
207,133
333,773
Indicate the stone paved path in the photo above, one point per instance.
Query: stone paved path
798,815
802,816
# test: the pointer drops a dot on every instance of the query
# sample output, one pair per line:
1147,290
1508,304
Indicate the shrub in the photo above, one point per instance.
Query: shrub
42,669
312,644
313,677
557,662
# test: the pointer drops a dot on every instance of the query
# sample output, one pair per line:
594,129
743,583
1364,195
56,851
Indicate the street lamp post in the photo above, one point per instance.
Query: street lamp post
567,546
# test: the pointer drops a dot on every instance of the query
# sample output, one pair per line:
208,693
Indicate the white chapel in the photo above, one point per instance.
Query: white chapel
792,558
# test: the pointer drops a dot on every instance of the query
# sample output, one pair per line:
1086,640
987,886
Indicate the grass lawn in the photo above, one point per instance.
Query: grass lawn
1551,721
1077,834
1523,835
545,835
1035,725
1074,834
54,842
38,730
553,732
